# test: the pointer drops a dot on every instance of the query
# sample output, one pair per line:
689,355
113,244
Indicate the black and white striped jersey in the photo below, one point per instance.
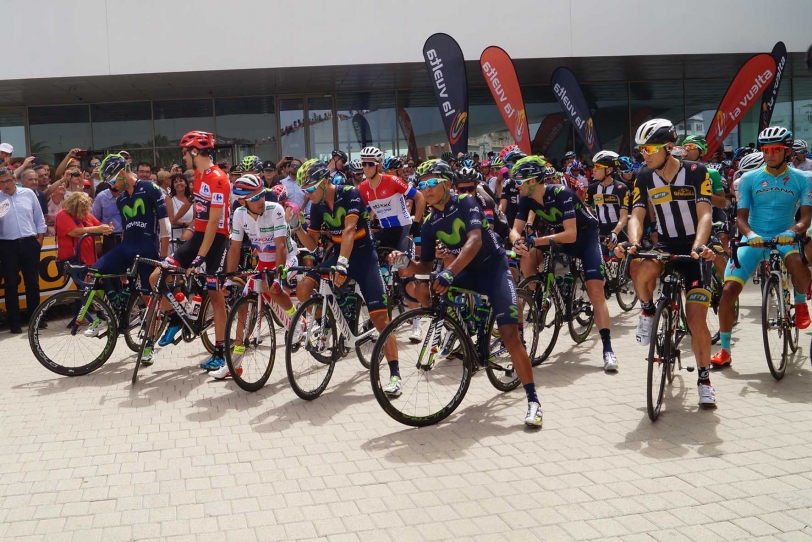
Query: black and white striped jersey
608,201
675,202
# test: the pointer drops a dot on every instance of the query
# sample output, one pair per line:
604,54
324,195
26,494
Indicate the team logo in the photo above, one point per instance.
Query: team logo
200,208
208,171
720,121
457,127
693,167
765,183
521,123
786,180
589,133
218,198
205,190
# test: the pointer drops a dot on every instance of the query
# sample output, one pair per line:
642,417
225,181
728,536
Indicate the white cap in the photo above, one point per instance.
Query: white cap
5,147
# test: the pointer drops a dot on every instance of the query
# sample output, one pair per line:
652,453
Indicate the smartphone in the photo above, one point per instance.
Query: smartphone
80,154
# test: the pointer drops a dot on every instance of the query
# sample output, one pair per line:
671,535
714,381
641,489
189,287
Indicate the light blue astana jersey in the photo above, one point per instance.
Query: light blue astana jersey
774,200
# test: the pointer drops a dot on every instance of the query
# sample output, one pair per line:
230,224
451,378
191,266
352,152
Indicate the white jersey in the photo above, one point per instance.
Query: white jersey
806,165
264,231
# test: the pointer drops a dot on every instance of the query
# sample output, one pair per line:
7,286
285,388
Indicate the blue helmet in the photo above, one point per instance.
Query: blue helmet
625,164
392,163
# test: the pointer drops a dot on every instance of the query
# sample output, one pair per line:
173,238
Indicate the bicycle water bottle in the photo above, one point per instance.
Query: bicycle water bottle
567,284
194,309
387,279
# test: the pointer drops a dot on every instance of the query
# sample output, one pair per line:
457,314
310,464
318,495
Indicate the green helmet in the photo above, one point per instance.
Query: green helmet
111,166
529,167
249,163
697,140
301,174
424,167
446,156
439,169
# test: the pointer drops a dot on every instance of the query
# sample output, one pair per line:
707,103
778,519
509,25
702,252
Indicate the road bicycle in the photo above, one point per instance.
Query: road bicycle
617,281
332,323
394,284
462,339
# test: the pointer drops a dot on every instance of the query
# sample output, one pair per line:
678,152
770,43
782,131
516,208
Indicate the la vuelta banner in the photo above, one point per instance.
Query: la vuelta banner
749,84
500,73
568,91
550,128
449,78
770,95
408,132
363,133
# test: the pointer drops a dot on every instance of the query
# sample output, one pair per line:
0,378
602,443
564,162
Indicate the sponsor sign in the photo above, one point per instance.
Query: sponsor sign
449,78
500,74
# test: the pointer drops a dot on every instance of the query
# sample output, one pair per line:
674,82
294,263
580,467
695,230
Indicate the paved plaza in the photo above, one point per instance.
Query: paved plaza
183,457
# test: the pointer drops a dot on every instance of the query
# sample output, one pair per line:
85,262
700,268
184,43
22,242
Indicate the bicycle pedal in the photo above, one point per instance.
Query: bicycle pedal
178,339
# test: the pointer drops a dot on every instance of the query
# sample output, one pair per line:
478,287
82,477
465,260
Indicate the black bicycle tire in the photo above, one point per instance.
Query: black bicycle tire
232,318
53,366
663,306
557,323
359,306
377,357
579,337
776,371
127,331
489,370
309,396
152,311
204,337
626,307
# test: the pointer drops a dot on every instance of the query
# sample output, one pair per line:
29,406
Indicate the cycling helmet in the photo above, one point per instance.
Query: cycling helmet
570,154
799,145
422,168
528,167
497,163
727,164
252,163
392,163
245,185
341,155
698,140
446,156
486,163
355,166
198,140
606,158
575,164
301,173
655,132
372,152
281,192
317,172
625,164
716,166
111,166
437,169
469,175
742,152
751,162
549,171
506,150
514,156
775,135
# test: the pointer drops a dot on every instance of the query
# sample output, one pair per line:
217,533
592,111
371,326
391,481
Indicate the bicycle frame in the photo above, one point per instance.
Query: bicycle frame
330,300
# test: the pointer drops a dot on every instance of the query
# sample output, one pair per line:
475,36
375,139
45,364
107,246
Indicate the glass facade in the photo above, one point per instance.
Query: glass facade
405,122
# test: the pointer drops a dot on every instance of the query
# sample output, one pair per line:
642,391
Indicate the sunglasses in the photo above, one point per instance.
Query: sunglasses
600,166
773,148
466,189
520,182
257,197
430,183
75,174
690,146
651,149
313,188
95,164
295,166
369,164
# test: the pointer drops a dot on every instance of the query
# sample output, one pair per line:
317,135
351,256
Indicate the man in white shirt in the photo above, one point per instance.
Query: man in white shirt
289,167
799,159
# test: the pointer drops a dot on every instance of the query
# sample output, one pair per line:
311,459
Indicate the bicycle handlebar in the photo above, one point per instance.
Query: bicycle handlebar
771,244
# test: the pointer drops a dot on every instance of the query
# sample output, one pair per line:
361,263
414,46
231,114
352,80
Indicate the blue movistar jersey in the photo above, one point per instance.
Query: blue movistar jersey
141,212
773,200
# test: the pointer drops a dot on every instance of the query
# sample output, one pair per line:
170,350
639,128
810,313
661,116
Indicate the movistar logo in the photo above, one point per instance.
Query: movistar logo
137,209
336,221
514,311
552,216
455,237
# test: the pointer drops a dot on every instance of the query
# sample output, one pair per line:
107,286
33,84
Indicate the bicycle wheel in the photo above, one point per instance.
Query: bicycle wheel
660,357
625,294
713,309
581,315
311,359
792,332
153,313
550,317
772,327
363,324
500,369
254,332
434,384
207,335
133,316
63,347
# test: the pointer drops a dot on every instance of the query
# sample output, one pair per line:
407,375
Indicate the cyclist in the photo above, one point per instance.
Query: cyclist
768,199
491,181
146,226
341,210
569,158
356,170
680,193
751,162
799,159
252,164
479,264
263,223
509,201
470,181
609,197
209,243
576,229
336,164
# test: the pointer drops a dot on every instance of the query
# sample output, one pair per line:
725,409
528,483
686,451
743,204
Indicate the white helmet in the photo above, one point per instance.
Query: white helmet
775,135
799,145
606,158
372,152
655,132
753,161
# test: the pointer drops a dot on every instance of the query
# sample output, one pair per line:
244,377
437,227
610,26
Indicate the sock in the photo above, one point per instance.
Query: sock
521,329
724,339
607,340
219,349
394,370
800,297
704,375
648,308
291,310
530,390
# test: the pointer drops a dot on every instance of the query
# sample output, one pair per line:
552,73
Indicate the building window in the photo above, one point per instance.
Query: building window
248,123
367,119
119,126
12,130
173,119
420,127
55,130
702,98
658,100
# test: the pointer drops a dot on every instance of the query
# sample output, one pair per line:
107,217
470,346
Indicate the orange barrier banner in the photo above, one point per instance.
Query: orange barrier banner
500,73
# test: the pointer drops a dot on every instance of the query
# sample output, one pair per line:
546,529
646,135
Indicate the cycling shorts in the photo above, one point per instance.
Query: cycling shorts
500,288
121,258
396,237
215,258
695,289
587,248
750,257
364,270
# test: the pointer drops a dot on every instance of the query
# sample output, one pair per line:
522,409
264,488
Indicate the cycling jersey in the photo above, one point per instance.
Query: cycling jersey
510,194
492,213
141,212
211,191
675,202
717,185
347,202
806,165
263,231
387,200
460,216
773,200
560,203
608,201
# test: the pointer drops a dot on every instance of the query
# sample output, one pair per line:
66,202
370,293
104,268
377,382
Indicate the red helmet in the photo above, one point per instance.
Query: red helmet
198,140
281,193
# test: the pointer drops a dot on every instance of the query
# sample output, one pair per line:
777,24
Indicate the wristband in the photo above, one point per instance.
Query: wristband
343,261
